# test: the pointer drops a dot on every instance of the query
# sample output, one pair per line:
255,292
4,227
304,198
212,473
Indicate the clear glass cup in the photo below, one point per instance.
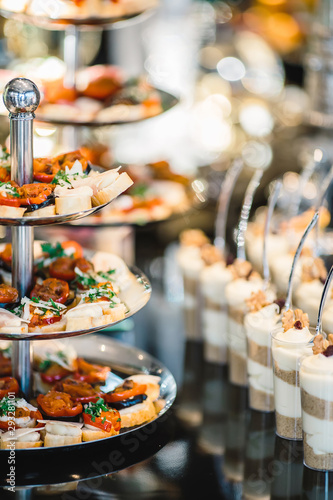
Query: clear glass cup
259,369
237,349
287,394
214,322
316,385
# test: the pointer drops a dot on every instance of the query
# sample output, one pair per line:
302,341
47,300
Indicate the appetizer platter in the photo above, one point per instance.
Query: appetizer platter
84,13
124,383
65,188
74,292
100,95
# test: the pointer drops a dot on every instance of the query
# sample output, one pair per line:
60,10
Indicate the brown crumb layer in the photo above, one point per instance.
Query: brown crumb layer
316,407
215,306
320,462
192,325
259,353
288,427
237,369
215,354
291,377
191,286
236,315
260,400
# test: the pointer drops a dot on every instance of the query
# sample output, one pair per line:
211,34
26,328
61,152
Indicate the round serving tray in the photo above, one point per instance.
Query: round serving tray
168,101
95,458
135,296
54,23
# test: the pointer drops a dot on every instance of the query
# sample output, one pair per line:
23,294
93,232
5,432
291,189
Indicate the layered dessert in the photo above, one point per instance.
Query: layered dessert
263,317
246,281
190,263
309,291
290,344
316,380
280,270
213,280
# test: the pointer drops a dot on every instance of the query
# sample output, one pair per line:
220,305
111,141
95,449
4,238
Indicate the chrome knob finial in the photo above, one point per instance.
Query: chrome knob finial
21,96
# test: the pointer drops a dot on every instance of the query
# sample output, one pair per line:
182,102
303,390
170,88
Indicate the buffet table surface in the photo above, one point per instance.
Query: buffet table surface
209,444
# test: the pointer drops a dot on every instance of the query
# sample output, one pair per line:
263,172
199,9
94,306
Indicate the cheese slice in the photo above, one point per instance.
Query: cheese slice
28,434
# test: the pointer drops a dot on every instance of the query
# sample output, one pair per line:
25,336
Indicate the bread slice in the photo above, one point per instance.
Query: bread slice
57,440
11,212
59,326
137,414
71,204
42,212
74,324
90,435
110,192
111,315
14,329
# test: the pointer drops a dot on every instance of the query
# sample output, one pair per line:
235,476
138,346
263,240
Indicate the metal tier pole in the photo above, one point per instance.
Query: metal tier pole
21,98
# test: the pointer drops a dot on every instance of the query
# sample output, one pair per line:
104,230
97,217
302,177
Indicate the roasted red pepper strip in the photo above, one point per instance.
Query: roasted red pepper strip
106,421
54,373
7,385
78,391
91,373
121,393
58,404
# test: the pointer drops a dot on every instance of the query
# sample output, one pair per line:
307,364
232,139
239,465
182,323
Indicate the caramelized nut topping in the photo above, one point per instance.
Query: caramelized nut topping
193,237
243,269
321,345
211,254
257,301
315,270
291,318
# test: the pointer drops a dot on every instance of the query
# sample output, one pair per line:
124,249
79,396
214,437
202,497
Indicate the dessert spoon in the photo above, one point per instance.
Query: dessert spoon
245,212
323,300
270,210
296,257
227,188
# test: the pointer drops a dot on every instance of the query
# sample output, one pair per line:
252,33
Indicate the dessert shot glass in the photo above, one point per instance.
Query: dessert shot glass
259,368
287,358
316,385
237,349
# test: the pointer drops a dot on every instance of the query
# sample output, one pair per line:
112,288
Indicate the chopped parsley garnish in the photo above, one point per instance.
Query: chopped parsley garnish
45,365
97,293
53,250
95,409
106,274
6,404
5,153
64,180
18,310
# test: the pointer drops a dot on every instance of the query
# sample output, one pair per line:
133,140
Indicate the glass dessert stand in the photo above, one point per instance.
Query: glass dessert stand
22,98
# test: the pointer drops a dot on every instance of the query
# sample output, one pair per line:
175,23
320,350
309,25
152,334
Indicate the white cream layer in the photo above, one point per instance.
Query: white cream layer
260,377
190,261
295,345
239,290
307,297
213,280
276,245
260,324
236,338
316,376
328,317
320,433
280,271
214,325
287,399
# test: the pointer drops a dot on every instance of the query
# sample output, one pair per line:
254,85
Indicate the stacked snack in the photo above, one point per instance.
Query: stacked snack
316,380
213,279
263,317
245,281
309,292
289,344
191,263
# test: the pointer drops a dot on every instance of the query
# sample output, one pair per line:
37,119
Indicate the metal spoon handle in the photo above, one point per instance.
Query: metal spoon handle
323,300
226,191
304,177
245,212
320,201
296,257
271,205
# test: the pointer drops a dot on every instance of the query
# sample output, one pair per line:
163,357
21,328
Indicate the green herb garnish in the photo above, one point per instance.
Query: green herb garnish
139,190
53,250
95,409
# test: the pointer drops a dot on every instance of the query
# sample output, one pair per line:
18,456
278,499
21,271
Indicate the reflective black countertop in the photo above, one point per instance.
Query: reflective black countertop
209,445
